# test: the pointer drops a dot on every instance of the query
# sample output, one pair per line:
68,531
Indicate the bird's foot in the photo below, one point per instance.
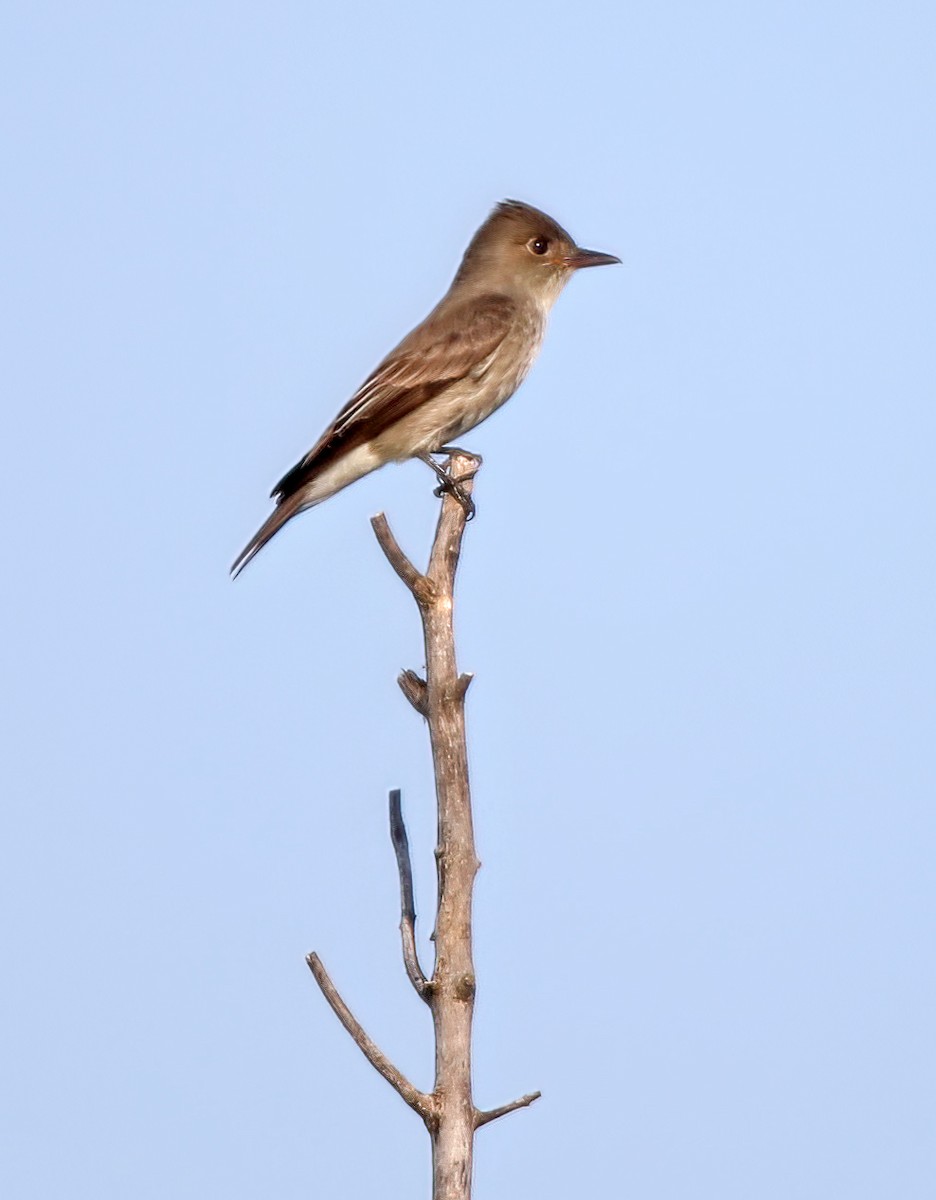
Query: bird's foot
453,487
448,484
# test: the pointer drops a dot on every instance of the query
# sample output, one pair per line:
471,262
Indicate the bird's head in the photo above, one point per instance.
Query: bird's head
520,249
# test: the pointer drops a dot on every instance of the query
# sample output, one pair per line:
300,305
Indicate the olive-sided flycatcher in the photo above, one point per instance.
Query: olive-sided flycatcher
469,355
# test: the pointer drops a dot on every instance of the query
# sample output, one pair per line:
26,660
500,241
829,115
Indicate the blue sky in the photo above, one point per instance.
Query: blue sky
698,598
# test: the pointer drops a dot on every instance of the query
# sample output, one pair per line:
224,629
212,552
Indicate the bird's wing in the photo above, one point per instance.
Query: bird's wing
452,346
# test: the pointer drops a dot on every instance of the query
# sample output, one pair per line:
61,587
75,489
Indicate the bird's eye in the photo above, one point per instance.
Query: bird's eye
539,245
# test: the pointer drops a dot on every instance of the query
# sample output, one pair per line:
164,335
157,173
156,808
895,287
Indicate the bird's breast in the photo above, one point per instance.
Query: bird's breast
507,367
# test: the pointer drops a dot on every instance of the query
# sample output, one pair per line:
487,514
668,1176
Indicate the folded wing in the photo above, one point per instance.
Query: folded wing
452,344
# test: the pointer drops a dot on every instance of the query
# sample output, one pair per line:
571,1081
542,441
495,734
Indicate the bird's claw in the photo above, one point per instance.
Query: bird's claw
448,483
453,487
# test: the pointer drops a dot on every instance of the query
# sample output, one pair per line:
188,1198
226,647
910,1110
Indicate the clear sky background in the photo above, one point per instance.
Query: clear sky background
698,597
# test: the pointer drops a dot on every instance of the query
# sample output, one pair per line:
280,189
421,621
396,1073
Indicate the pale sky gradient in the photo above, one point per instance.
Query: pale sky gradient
698,597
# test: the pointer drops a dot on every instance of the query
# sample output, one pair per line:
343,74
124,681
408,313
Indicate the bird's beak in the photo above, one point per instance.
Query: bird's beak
588,258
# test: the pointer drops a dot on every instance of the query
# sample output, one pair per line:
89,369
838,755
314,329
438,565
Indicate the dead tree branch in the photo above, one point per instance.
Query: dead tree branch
413,688
485,1118
375,1056
448,1111
407,902
417,583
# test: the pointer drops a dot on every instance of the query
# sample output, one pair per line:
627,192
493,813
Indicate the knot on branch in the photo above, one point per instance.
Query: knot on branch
424,592
465,988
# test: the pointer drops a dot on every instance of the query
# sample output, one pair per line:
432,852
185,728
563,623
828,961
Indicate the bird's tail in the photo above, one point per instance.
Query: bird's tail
274,523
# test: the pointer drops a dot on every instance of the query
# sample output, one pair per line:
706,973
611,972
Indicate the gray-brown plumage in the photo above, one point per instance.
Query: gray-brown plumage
451,372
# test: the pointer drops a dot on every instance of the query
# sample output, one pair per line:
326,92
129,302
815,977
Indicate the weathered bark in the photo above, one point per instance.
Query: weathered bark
449,1110
452,988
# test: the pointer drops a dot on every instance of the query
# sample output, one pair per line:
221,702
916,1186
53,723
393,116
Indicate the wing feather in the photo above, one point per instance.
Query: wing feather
452,344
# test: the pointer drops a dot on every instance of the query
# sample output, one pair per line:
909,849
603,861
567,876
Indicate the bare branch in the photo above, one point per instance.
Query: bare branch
417,583
485,1118
407,902
448,1111
375,1056
414,689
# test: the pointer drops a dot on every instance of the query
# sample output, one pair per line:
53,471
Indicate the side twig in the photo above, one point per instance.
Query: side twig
407,902
421,587
485,1118
413,687
416,1099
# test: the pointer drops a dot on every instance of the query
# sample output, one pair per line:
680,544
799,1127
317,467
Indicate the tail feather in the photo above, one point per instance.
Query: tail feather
270,527
324,482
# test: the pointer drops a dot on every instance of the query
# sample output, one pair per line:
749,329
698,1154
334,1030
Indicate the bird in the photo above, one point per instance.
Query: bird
452,371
